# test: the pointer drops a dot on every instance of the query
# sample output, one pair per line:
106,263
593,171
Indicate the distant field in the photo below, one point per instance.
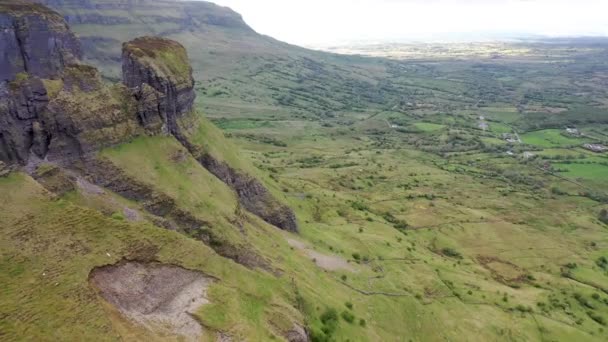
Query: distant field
428,127
236,124
588,171
549,138
500,128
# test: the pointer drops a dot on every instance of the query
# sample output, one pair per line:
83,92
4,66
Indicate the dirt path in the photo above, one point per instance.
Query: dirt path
327,262
160,297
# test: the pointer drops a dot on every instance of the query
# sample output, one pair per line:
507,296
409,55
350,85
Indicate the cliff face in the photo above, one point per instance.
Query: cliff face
55,108
63,119
158,72
51,106
35,40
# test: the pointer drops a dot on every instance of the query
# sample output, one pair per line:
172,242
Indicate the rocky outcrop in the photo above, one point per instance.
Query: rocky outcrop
62,120
51,106
54,108
21,104
252,195
34,40
159,73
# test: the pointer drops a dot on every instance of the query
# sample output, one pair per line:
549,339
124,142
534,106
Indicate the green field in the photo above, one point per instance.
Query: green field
428,127
550,138
594,171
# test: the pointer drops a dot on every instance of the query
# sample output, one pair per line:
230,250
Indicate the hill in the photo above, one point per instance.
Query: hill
347,198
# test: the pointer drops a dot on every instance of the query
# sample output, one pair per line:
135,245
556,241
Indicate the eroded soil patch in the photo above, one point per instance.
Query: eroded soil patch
503,271
160,297
327,262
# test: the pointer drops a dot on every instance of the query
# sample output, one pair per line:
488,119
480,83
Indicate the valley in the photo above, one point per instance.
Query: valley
416,195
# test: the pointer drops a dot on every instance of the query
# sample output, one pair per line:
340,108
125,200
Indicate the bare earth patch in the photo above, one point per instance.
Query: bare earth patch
503,271
162,298
327,262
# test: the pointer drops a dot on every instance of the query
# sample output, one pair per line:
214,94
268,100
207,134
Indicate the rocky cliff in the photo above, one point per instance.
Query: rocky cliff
53,107
159,74
35,40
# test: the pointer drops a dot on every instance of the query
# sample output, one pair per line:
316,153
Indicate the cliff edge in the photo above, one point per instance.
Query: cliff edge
55,108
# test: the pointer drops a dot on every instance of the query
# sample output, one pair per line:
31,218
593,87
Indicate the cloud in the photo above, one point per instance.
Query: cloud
314,22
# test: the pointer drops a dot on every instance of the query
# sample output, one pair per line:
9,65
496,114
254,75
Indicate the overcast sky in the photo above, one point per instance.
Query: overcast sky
327,22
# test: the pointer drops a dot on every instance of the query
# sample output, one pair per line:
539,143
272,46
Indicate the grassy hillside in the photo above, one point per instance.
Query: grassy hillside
419,220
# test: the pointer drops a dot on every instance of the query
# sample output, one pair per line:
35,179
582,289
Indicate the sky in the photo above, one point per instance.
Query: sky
337,22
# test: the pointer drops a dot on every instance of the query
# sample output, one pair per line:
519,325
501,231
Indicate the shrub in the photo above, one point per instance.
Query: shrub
602,262
359,206
329,317
452,253
362,322
357,256
596,317
349,305
604,216
118,216
348,316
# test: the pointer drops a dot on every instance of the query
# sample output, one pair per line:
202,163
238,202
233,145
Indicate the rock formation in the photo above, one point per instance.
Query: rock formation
34,40
51,106
54,107
159,74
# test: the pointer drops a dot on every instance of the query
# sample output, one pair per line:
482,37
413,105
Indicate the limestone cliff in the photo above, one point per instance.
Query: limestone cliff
53,107
35,40
158,72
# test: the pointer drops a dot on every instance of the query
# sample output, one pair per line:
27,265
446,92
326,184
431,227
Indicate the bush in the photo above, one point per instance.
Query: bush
357,256
118,216
602,262
329,320
359,206
362,322
596,317
348,316
349,305
452,253
604,216
329,317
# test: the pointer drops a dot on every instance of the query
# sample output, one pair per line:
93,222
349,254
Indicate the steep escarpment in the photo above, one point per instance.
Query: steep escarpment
62,112
35,40
159,74
65,118
53,106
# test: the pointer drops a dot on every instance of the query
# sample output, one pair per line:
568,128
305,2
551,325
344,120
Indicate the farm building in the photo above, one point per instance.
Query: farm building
596,148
